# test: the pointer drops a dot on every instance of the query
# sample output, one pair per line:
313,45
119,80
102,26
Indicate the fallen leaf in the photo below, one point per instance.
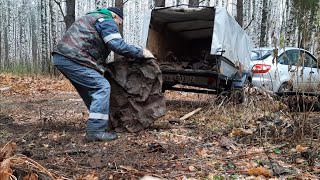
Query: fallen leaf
253,164
45,145
257,171
96,160
202,152
8,150
192,168
31,176
53,136
307,175
240,132
300,148
277,151
227,143
92,176
300,160
5,164
316,169
156,147
5,174
127,168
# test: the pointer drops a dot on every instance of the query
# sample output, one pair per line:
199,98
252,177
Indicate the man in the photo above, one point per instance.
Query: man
81,56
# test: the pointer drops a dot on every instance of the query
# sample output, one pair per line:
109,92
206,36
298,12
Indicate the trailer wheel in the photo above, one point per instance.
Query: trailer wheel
241,95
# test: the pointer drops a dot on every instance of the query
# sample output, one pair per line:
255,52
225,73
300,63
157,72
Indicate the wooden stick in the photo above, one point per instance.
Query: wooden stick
6,88
189,114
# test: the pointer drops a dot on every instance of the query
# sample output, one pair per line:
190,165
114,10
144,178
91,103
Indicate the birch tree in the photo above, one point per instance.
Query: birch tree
10,36
304,14
44,36
263,29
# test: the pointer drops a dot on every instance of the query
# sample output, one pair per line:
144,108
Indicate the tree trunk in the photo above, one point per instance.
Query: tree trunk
119,4
70,17
44,38
1,30
54,38
23,34
10,36
6,47
2,27
34,43
263,31
193,3
160,3
240,12
1,48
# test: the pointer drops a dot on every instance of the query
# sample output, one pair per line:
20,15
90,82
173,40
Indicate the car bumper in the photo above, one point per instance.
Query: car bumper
262,82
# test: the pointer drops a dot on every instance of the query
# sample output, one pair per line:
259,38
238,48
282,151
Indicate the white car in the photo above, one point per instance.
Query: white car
291,69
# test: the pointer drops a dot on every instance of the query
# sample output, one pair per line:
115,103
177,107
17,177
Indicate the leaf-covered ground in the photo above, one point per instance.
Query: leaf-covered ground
44,120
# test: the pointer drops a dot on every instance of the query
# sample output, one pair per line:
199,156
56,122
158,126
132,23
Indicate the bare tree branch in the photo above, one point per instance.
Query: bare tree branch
249,23
59,4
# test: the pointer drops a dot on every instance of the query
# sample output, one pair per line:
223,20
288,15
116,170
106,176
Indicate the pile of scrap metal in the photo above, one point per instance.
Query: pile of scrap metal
136,94
204,61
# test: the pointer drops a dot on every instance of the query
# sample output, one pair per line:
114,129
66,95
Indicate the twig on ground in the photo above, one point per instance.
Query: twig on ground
189,114
24,135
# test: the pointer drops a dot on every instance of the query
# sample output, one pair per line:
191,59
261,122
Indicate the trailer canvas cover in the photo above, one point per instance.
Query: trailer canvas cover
231,38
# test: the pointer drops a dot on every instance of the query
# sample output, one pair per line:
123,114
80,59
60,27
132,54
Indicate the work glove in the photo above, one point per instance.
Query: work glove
147,54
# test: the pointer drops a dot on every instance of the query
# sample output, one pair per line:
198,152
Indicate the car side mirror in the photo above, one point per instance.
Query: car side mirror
284,60
280,61
316,66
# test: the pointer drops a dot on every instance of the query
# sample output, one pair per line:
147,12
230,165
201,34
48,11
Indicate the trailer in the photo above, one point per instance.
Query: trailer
201,47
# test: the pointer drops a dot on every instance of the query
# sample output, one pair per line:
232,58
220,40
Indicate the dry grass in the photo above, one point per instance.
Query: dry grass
267,118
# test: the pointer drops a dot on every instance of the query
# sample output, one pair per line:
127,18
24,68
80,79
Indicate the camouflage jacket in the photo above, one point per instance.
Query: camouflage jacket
90,39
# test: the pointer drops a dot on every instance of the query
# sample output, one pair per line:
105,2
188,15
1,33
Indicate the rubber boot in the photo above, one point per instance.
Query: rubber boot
101,136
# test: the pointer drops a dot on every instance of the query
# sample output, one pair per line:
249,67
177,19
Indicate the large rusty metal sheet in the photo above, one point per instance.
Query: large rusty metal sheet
136,94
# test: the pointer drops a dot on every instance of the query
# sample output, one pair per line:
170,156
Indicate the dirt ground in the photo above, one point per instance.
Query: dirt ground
46,119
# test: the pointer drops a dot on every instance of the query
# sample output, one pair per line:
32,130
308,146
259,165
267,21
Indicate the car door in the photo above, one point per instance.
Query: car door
289,68
310,72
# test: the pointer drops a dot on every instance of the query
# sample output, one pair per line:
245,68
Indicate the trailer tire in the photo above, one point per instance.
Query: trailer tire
240,95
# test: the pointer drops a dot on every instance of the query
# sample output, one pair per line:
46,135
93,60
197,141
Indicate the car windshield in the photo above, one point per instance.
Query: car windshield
260,54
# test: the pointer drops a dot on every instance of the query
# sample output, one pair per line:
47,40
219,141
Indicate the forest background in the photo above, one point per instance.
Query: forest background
29,29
